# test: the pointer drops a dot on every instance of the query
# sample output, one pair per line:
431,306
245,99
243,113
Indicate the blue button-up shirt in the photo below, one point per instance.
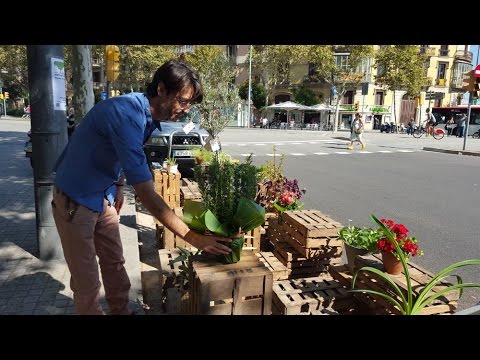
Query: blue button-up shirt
108,141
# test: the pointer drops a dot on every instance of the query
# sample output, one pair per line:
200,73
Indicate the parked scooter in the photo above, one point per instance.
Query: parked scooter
28,143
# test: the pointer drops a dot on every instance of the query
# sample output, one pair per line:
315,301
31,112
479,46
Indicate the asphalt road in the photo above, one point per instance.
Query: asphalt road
435,195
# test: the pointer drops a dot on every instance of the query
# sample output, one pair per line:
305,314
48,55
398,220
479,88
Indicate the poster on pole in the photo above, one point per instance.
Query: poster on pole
58,84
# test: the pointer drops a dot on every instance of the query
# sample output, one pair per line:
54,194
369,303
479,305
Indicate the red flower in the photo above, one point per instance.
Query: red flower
407,244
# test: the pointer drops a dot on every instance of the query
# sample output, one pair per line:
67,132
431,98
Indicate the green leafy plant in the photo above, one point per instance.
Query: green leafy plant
228,189
202,155
410,304
360,238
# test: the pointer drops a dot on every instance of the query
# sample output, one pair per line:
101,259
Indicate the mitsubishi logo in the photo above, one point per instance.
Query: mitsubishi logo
185,141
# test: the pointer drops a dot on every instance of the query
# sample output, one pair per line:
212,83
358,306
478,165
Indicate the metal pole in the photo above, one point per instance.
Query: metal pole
470,101
46,83
4,106
249,86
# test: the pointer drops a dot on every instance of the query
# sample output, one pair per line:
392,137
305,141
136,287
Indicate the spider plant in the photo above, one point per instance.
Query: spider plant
409,304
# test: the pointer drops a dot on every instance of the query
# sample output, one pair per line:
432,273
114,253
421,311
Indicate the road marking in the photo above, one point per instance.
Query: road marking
248,154
342,152
312,142
297,154
321,153
385,151
237,144
364,152
272,155
260,144
406,151
296,143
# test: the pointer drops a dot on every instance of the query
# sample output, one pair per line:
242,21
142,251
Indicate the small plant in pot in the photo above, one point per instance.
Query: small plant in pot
358,241
172,166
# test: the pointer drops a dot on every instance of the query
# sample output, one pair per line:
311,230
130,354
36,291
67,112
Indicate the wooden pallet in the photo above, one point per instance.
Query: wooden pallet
169,240
320,295
279,270
419,277
294,237
167,185
243,288
312,223
189,191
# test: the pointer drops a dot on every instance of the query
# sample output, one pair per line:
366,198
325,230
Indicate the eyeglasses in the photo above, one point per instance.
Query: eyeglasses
183,102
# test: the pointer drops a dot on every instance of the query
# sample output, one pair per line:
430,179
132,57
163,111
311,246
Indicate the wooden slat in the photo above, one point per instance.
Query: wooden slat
310,242
312,223
279,270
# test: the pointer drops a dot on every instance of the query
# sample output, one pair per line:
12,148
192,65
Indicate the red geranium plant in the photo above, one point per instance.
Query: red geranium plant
408,244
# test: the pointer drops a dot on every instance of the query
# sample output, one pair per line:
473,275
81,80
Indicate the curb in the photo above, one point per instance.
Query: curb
454,152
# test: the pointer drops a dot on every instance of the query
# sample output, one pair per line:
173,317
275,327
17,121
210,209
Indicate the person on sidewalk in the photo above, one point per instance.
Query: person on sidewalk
106,148
357,132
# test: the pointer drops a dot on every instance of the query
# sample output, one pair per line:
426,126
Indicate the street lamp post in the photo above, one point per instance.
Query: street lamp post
249,86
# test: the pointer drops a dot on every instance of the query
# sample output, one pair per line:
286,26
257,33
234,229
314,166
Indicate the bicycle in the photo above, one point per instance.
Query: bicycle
438,133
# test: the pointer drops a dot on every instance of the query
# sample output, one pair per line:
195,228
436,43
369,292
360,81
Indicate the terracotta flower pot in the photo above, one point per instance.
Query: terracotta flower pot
391,264
351,253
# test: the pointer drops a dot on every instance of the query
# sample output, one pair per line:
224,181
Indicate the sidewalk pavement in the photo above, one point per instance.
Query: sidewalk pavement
29,286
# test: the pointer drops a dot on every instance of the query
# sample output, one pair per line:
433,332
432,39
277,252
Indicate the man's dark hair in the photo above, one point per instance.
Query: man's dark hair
175,75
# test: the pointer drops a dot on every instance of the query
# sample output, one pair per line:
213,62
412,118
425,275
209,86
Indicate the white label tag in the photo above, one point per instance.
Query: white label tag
214,145
189,127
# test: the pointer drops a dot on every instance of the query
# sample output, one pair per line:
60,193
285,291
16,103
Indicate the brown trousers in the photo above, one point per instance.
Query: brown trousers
86,234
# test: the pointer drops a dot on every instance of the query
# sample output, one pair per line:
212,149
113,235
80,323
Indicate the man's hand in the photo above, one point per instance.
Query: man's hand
119,199
209,243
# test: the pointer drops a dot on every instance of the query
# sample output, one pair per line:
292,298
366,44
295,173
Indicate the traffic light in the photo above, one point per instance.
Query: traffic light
7,95
468,81
356,106
112,53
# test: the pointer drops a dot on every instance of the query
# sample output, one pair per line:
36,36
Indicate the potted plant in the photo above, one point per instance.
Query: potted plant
202,155
409,304
358,241
172,166
228,189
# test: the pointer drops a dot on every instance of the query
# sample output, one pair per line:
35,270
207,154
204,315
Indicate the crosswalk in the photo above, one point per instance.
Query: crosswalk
346,152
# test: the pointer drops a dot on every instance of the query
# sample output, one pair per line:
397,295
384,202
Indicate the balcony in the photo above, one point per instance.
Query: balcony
427,51
462,55
440,82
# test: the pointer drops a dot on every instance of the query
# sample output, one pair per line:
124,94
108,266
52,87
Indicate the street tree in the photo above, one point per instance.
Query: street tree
13,70
272,64
348,72
220,95
401,68
258,94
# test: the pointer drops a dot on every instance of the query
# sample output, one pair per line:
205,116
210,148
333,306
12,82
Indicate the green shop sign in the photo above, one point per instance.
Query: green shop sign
378,109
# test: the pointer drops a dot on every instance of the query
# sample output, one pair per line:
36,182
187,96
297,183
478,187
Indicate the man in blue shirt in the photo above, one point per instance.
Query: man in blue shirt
106,148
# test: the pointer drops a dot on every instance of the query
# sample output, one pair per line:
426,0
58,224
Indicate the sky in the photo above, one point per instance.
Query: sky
474,50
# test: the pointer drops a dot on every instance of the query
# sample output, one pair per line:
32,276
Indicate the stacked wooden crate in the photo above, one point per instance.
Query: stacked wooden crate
321,295
189,191
167,185
306,242
243,288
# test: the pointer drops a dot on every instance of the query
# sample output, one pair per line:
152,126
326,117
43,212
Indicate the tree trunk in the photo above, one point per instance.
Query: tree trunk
83,97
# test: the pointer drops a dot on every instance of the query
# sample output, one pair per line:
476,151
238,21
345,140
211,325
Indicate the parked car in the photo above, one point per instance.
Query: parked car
172,142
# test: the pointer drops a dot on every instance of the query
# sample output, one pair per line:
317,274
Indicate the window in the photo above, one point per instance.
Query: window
364,68
380,69
184,49
441,73
443,50
379,96
341,60
231,51
348,97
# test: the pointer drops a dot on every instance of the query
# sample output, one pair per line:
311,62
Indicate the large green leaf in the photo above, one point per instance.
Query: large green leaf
236,245
194,215
212,224
249,214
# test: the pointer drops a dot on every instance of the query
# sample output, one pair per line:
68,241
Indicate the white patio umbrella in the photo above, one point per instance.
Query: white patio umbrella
288,106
